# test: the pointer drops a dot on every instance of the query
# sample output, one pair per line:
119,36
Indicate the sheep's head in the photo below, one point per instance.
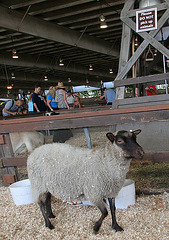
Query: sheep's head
127,142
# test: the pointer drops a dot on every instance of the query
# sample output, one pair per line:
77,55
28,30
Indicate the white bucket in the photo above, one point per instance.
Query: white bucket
125,197
22,192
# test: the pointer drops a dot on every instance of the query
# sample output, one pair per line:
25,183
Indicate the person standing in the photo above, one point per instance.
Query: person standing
39,104
110,96
70,98
61,96
12,108
51,99
30,104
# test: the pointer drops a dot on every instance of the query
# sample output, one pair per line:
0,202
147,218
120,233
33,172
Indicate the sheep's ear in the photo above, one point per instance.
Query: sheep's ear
136,132
110,136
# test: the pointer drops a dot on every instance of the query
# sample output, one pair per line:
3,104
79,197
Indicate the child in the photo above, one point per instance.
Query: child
76,103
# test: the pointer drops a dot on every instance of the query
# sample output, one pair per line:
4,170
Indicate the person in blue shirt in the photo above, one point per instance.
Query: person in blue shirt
110,96
51,99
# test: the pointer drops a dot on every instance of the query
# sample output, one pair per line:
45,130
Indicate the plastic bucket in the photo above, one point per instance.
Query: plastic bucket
125,197
21,192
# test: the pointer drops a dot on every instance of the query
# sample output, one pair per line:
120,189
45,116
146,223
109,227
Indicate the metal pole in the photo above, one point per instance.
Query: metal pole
88,139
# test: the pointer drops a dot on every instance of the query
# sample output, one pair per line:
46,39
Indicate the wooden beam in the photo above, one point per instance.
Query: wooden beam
143,79
2,141
13,162
124,55
160,7
87,119
149,38
127,7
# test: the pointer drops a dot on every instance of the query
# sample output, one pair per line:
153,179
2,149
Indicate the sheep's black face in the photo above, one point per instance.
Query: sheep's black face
127,141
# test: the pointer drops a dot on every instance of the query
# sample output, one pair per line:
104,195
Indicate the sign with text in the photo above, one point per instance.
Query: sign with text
146,20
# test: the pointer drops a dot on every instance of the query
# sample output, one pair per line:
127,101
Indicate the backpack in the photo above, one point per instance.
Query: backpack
4,103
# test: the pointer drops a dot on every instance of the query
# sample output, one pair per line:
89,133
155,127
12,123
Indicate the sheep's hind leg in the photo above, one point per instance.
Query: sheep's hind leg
113,213
48,206
99,222
44,212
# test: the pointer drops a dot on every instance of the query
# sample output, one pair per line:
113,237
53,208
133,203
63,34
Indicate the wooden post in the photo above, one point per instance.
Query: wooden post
9,174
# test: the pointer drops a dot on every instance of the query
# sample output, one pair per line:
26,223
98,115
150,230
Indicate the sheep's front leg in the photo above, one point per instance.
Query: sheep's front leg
99,222
44,213
113,213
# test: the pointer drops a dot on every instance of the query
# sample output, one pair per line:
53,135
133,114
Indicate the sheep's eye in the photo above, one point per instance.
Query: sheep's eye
120,141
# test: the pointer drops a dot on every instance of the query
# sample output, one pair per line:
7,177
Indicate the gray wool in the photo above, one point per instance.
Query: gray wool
72,173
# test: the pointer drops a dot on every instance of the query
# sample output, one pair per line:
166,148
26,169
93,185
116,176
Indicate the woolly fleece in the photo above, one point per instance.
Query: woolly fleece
71,173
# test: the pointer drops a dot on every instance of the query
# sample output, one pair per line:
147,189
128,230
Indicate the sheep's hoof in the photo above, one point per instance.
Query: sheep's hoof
96,227
118,228
50,226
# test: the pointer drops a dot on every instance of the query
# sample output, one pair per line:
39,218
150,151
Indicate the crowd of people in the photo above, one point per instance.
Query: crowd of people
56,99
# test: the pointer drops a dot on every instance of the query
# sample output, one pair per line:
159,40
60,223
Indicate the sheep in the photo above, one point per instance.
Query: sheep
26,141
71,173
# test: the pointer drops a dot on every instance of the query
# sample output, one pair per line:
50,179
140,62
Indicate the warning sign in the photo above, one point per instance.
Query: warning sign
146,20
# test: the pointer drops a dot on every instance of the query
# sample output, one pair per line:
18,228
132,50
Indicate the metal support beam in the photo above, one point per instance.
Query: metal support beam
43,29
34,61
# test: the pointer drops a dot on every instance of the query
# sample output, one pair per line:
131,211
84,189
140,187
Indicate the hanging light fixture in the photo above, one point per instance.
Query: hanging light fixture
69,80
87,81
148,3
136,42
61,63
103,23
45,78
111,71
90,67
12,75
155,52
14,54
9,87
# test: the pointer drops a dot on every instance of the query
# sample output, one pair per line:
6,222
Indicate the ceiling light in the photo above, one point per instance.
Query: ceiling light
61,63
103,23
136,42
14,54
87,81
155,52
111,71
69,80
148,3
9,87
12,75
90,67
45,78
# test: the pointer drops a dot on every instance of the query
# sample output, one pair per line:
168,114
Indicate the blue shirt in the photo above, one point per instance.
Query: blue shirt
110,95
52,103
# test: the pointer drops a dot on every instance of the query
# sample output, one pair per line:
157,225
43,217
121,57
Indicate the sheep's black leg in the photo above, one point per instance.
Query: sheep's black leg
99,222
42,208
113,213
48,206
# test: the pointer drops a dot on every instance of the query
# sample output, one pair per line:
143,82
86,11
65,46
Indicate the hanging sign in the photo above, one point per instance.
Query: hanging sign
146,20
